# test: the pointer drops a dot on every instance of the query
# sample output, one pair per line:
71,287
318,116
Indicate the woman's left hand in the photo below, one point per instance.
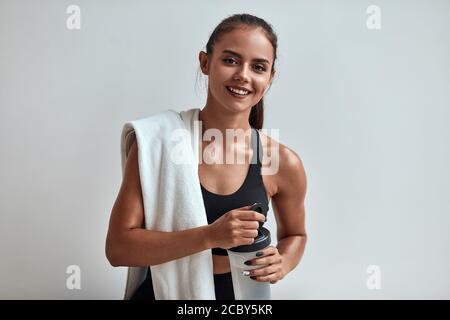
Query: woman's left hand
273,269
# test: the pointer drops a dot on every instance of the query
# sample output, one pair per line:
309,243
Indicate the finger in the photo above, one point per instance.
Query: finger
267,278
250,225
244,208
271,259
249,233
268,251
246,240
264,271
251,215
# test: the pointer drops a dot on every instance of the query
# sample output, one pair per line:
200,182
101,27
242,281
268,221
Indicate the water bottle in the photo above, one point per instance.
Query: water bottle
244,287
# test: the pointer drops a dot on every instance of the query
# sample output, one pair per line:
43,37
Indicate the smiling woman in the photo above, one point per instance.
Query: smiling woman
240,64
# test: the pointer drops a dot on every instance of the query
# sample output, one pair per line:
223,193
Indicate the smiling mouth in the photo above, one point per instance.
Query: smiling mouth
238,92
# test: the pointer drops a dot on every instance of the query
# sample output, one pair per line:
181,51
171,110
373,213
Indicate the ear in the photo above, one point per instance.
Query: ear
204,65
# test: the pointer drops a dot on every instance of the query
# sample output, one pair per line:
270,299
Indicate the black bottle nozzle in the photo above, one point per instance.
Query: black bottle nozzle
259,207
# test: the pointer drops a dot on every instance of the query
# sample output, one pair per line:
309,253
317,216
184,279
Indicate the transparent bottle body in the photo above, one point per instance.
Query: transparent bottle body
244,287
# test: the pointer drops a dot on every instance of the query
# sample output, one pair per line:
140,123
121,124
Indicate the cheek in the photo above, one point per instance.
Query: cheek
216,85
219,76
261,84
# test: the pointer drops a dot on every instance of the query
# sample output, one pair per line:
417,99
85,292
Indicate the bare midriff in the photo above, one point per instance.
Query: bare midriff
221,264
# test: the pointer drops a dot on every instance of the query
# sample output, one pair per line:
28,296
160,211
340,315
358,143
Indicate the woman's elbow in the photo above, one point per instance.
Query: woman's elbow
112,252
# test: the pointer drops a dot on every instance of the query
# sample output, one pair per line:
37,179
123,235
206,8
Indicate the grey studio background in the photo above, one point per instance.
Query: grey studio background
367,111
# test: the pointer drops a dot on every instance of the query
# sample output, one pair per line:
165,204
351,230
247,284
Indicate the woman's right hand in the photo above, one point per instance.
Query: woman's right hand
234,228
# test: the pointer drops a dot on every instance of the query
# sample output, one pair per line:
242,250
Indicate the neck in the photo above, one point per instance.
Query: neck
215,116
218,117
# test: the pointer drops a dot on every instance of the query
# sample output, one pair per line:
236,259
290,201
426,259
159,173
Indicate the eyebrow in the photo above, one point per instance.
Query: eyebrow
239,56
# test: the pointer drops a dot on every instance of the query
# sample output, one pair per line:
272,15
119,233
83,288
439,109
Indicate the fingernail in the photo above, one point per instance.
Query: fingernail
259,254
245,273
248,262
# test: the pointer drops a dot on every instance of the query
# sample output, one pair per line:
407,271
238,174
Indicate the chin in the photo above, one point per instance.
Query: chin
237,106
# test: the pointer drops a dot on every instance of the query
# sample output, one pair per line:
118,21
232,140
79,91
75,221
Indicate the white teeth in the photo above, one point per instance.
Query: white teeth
238,91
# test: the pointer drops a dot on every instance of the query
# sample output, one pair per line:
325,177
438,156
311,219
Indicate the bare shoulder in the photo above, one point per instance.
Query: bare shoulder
290,173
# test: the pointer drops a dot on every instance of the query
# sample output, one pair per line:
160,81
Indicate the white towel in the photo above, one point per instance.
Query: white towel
172,200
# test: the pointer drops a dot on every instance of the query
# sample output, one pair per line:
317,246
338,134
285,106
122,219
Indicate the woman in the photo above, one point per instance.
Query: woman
240,64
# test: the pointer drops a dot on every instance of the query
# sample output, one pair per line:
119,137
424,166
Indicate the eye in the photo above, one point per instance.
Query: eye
260,68
228,60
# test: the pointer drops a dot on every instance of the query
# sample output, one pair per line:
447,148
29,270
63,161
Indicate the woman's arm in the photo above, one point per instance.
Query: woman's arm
289,208
129,244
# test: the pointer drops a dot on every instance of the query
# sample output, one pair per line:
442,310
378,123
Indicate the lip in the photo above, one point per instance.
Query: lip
239,87
235,95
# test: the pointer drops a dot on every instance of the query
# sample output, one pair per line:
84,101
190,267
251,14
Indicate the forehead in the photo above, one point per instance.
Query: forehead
249,42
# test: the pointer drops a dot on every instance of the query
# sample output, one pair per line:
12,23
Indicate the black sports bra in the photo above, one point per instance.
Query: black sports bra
251,191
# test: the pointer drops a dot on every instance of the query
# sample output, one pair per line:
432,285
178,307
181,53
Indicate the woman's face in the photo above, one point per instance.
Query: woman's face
242,60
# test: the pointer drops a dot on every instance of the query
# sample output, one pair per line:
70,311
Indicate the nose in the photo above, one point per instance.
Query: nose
242,74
